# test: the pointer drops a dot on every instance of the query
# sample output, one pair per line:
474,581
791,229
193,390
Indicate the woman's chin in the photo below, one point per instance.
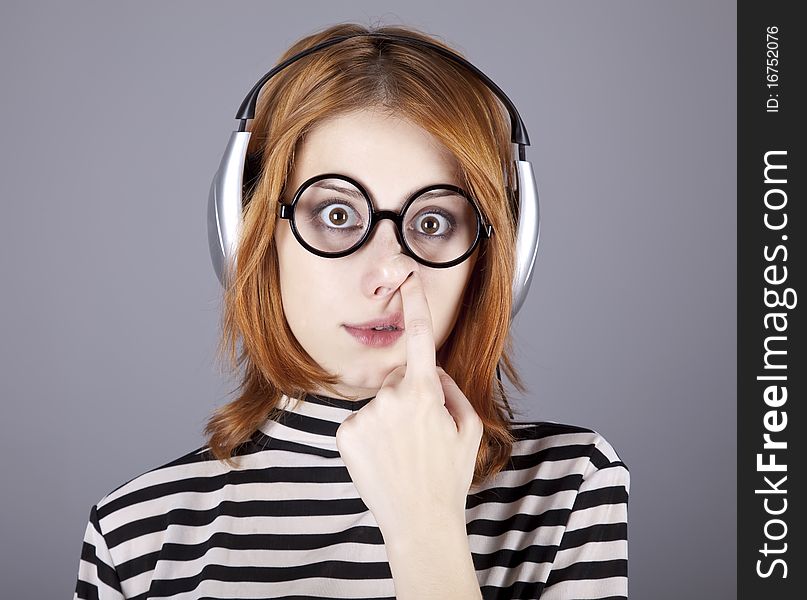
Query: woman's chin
368,378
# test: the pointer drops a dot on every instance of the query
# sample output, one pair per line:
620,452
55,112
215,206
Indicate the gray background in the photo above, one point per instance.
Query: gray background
114,116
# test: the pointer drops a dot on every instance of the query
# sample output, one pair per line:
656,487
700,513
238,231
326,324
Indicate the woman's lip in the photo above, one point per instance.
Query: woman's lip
395,319
373,338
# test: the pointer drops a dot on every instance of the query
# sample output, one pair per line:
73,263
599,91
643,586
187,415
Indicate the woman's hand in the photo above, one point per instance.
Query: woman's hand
411,451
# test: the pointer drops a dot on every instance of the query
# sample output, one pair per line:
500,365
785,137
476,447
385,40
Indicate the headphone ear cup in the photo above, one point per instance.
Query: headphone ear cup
225,208
527,232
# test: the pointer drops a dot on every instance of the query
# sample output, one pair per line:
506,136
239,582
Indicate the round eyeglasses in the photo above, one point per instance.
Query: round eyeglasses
332,216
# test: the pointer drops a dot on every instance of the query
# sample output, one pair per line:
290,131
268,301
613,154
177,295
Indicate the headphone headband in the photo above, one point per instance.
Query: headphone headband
518,132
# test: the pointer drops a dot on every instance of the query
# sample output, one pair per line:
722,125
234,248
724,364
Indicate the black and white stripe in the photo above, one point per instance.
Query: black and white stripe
289,524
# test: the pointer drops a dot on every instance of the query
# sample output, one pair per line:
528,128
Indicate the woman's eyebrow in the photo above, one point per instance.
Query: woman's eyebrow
354,193
434,193
327,185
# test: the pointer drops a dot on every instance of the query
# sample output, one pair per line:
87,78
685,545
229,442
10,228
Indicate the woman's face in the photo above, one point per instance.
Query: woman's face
391,158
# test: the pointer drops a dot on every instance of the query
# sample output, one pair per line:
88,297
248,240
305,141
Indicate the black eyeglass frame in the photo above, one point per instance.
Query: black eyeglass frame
483,230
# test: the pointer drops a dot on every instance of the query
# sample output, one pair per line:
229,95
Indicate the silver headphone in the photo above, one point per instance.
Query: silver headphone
224,212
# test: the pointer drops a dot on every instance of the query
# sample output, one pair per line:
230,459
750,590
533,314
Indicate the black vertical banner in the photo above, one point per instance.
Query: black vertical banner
772,432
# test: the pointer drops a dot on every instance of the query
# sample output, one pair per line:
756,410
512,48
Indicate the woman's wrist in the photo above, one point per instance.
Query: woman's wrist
432,535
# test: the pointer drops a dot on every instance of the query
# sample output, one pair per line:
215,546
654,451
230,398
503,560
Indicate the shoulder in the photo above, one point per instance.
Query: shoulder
147,495
538,435
558,448
188,465
129,526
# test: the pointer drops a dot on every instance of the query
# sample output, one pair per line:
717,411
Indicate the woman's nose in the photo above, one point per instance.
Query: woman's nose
388,266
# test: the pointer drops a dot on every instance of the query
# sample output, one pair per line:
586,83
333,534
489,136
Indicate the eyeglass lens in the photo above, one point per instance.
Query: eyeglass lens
332,215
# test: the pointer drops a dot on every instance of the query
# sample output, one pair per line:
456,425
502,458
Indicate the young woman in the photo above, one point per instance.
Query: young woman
370,452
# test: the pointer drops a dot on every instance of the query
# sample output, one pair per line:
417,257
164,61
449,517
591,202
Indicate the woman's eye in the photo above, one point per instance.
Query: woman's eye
338,216
432,224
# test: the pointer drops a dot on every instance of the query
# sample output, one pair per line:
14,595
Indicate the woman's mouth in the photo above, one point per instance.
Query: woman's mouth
380,332
376,337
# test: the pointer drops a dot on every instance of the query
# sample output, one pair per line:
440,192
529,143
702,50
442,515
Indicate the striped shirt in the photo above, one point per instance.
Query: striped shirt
288,523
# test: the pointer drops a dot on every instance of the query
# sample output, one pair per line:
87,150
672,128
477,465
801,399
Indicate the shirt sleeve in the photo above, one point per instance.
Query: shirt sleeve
592,559
97,577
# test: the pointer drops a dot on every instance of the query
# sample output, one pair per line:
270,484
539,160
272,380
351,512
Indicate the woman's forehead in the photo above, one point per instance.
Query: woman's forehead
387,154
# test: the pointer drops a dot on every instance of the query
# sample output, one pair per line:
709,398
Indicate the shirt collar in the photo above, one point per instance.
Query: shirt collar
311,422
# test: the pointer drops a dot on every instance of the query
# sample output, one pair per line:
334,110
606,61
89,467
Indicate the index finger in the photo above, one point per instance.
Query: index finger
421,355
